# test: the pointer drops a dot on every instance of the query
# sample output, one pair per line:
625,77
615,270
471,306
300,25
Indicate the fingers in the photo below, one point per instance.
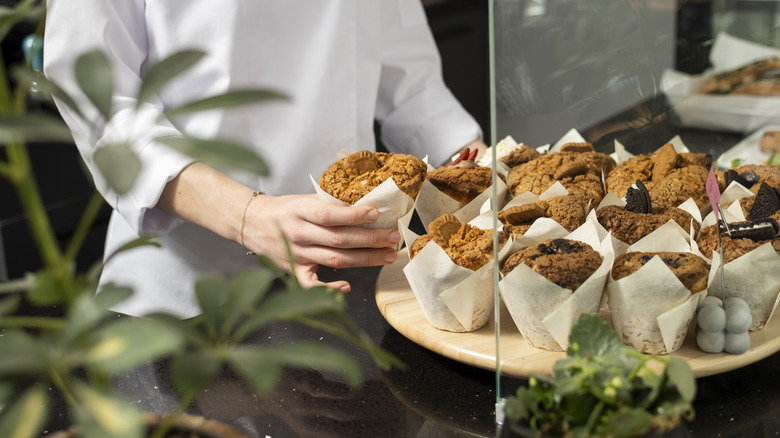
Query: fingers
307,277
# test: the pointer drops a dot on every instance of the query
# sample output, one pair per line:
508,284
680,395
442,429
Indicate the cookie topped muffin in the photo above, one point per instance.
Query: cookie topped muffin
689,268
466,245
671,178
565,262
459,183
355,175
579,172
640,217
567,210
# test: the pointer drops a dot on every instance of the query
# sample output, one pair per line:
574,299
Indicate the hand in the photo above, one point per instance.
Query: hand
318,234
469,155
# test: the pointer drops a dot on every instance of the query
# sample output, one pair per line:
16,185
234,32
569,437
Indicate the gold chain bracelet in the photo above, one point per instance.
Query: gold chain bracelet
243,220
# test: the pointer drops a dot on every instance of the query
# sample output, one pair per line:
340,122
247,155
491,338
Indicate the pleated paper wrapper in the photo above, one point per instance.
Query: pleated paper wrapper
651,309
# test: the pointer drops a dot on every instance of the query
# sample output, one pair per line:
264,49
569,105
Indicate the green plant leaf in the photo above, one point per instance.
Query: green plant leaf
46,290
145,240
230,99
679,373
209,290
129,342
627,423
27,78
21,354
288,304
594,337
34,127
119,165
103,415
25,10
95,78
262,366
10,304
219,153
243,293
161,73
27,417
194,371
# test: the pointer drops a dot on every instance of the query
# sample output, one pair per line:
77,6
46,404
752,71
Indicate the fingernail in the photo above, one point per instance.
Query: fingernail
394,236
345,289
372,214
390,257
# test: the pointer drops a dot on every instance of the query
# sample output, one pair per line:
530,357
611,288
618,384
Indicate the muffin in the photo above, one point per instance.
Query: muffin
567,210
461,184
565,262
750,176
355,175
670,177
466,245
521,155
579,172
745,237
689,268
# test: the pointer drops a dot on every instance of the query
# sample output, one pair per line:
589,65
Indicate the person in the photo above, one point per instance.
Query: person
343,65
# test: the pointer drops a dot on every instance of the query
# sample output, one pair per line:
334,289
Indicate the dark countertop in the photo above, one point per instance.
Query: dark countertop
435,397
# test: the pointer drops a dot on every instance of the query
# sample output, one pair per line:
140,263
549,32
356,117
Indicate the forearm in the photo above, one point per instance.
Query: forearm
204,196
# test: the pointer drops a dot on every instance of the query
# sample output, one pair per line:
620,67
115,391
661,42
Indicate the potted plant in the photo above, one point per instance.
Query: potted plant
78,351
602,388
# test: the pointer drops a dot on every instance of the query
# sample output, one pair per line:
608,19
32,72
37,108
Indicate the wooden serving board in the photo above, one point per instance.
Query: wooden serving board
397,303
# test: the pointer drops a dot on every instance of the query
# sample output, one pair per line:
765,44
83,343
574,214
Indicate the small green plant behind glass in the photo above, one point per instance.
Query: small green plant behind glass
79,352
604,388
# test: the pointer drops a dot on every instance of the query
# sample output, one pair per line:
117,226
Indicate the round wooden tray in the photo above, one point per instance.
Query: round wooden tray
397,303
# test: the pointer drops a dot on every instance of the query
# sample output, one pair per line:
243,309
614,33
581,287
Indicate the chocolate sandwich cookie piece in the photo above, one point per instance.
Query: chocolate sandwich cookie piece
757,231
731,175
638,199
765,204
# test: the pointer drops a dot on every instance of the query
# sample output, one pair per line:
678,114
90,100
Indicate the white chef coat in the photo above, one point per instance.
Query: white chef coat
343,63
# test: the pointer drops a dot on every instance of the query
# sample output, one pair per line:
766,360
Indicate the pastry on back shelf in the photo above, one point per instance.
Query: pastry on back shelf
760,77
355,175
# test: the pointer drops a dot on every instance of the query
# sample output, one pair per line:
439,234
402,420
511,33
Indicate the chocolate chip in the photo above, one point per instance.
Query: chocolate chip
765,204
638,199
671,262
764,229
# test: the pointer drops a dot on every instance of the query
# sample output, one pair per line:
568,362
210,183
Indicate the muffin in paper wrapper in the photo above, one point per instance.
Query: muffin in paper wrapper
395,207
754,276
433,203
545,312
621,247
651,309
452,298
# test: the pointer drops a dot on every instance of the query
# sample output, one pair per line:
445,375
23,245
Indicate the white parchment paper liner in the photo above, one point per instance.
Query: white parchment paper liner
452,298
651,309
621,247
543,311
754,277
